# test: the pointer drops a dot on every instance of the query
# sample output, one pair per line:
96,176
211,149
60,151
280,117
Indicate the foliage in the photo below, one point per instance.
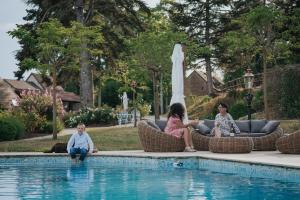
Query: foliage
11,127
144,109
258,102
238,109
290,98
48,126
35,109
110,92
119,20
209,107
88,116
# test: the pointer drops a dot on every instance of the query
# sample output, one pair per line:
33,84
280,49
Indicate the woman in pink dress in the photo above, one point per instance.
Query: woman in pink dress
176,128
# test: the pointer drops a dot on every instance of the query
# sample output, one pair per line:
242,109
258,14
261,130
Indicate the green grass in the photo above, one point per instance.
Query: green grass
104,140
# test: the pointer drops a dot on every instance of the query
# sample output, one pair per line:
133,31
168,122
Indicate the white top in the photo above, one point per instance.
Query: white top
226,122
81,141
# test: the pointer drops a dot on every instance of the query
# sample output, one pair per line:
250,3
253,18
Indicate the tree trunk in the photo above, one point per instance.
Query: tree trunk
155,96
86,77
99,94
265,85
54,104
207,42
161,94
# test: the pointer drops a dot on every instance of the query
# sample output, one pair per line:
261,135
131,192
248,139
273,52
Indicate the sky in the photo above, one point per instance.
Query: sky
10,15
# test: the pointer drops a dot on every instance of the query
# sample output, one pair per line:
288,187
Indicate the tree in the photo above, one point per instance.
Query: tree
59,47
202,20
119,20
152,50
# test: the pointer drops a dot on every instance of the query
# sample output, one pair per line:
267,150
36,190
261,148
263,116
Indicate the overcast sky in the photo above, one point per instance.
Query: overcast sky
10,15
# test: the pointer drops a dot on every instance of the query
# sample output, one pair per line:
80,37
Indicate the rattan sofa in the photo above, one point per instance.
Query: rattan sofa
262,141
289,143
155,140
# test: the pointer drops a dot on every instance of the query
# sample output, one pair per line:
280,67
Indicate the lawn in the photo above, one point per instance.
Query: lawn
104,140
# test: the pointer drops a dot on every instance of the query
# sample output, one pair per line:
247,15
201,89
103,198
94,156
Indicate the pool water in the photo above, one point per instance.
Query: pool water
92,182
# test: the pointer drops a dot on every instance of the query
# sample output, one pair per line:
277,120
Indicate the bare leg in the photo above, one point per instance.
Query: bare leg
190,140
186,137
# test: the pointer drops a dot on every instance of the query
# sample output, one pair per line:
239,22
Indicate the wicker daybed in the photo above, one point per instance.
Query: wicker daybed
289,143
262,141
155,140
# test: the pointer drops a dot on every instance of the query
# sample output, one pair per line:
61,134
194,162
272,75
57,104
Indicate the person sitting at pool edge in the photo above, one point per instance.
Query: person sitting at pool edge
80,143
224,121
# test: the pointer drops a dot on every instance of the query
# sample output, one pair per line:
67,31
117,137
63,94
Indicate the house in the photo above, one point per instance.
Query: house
10,90
196,84
7,94
71,101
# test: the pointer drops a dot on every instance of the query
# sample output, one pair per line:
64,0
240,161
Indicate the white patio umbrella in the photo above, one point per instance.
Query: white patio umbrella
177,78
125,101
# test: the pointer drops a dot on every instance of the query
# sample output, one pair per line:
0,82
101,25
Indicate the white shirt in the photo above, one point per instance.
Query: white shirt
81,141
226,122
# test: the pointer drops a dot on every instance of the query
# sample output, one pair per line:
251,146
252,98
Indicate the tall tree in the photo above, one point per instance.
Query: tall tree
119,20
59,47
262,23
152,50
202,20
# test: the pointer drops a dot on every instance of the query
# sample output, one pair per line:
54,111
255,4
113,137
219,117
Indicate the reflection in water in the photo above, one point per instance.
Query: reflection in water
93,182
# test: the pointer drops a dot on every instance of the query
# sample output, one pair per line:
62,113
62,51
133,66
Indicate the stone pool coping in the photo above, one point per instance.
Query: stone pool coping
270,158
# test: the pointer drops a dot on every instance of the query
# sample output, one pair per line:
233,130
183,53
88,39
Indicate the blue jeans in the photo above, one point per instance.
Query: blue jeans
82,152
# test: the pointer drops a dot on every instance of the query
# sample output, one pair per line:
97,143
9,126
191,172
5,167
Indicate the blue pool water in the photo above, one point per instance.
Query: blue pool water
83,181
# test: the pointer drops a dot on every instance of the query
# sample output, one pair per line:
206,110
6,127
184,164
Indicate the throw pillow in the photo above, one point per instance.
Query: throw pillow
209,123
270,126
257,125
152,123
202,128
161,124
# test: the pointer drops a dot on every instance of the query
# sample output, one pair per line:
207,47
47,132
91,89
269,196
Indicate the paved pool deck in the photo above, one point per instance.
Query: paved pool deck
271,158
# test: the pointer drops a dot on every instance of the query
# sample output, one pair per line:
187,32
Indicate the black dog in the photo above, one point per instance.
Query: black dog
58,148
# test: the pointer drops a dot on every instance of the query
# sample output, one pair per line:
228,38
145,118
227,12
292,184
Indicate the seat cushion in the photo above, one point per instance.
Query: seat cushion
202,128
257,125
209,123
270,126
258,134
243,135
243,125
153,124
161,124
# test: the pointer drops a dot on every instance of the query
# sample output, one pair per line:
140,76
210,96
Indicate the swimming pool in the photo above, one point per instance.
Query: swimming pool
136,178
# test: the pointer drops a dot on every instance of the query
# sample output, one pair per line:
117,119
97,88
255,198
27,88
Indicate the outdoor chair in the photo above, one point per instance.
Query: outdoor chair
153,139
289,143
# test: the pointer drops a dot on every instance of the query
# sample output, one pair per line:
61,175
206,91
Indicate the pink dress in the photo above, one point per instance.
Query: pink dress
171,128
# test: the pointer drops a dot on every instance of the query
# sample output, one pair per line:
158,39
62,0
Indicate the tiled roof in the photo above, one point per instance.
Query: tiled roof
20,85
6,94
68,96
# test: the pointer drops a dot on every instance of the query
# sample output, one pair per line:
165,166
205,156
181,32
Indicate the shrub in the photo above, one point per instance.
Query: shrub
238,109
35,110
103,115
144,109
11,128
48,127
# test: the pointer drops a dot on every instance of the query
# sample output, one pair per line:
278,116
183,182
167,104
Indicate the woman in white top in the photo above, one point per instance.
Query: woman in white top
225,122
